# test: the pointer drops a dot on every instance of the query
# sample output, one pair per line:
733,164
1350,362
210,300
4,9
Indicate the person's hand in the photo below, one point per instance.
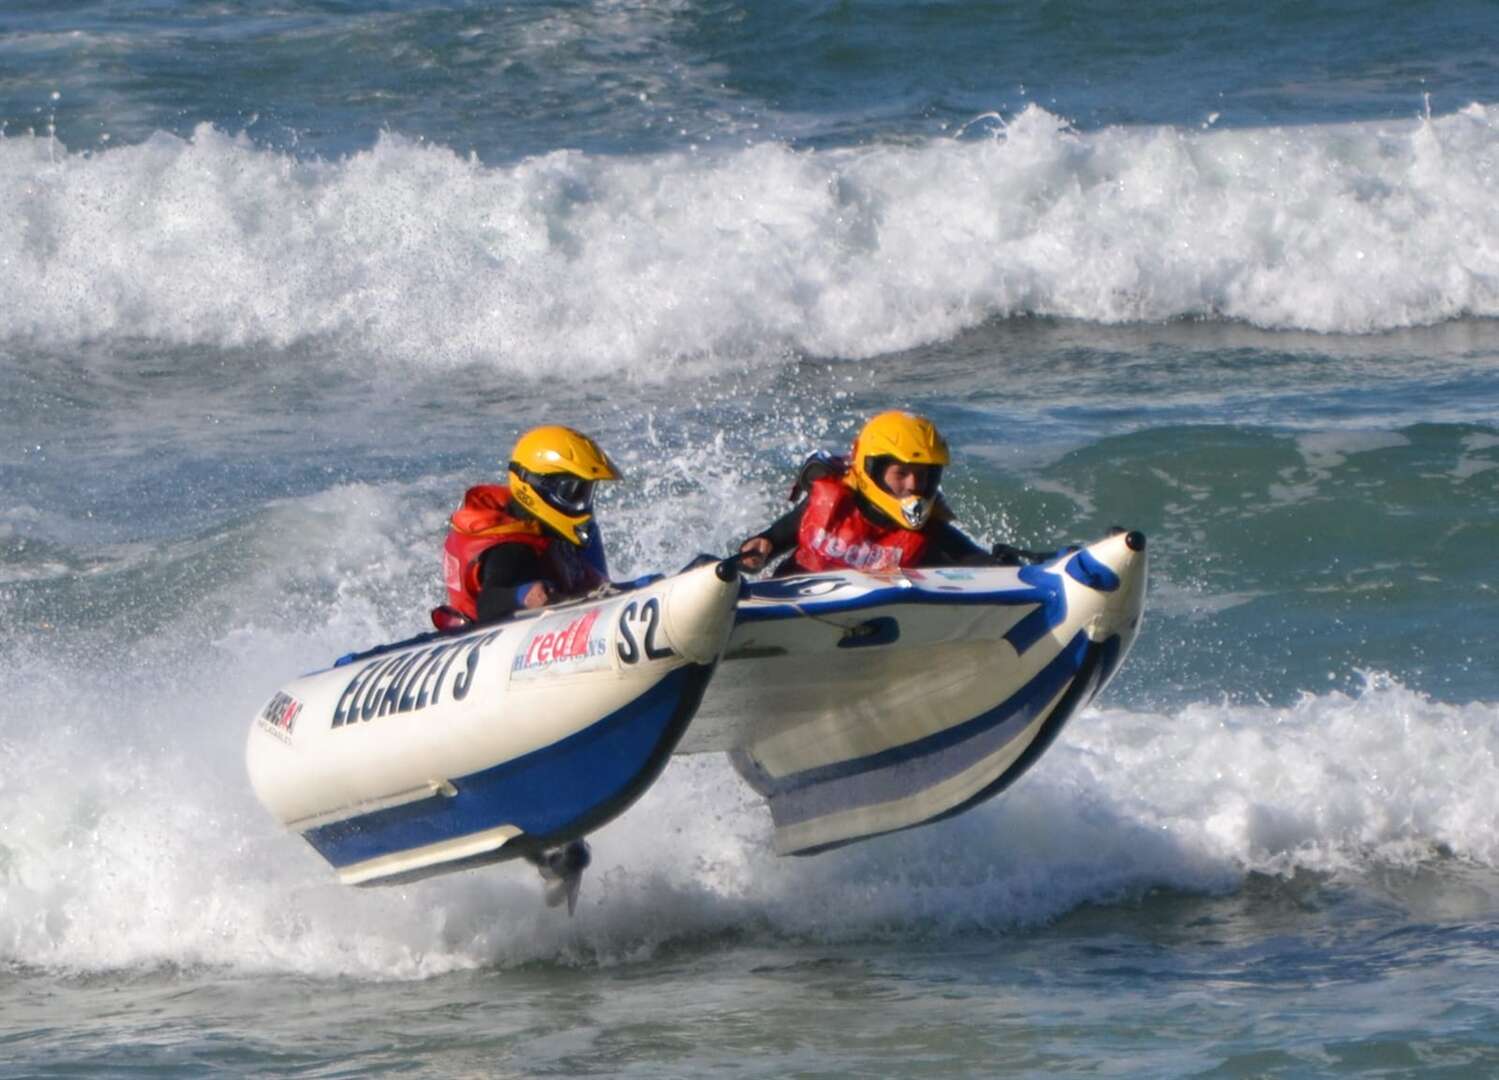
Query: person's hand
753,553
538,595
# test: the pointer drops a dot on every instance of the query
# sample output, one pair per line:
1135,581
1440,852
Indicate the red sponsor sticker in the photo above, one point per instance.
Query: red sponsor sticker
573,645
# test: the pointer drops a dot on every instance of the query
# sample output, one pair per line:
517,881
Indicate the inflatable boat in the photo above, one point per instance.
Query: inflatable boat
856,704
454,750
859,704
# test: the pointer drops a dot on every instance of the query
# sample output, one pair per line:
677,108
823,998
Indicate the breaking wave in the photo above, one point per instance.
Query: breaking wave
415,255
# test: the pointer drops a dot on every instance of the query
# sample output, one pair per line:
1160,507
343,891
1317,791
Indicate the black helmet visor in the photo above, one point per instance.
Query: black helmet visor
570,494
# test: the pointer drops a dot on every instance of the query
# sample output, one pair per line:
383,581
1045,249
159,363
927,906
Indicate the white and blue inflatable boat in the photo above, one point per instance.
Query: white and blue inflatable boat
455,750
856,704
860,704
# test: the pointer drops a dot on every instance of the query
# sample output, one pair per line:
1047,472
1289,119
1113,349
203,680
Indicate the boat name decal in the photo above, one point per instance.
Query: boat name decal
629,646
576,647
407,682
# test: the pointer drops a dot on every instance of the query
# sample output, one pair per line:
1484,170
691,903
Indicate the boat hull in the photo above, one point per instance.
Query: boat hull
861,704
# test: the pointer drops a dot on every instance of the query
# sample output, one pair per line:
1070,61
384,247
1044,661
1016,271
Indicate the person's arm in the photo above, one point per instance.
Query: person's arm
779,537
510,578
948,545
1008,555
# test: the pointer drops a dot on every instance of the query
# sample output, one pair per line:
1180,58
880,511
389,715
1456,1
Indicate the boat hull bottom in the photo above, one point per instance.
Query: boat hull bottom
936,777
525,806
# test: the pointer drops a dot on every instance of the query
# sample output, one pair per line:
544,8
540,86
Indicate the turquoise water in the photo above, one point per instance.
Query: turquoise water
281,281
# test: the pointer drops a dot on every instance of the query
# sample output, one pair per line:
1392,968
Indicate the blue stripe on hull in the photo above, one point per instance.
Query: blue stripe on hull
552,795
915,766
923,759
1040,593
907,770
1099,662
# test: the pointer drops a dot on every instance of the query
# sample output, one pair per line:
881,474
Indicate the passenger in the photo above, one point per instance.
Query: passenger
531,542
881,509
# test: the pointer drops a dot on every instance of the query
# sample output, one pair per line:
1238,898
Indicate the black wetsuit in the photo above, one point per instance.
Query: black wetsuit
502,570
507,571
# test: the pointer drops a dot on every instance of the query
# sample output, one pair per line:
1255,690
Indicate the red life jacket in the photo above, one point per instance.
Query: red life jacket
483,521
835,534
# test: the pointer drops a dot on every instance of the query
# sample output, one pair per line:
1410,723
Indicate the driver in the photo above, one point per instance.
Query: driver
529,542
878,510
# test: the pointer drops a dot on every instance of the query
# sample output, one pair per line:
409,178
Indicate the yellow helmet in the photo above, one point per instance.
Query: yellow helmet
898,437
552,473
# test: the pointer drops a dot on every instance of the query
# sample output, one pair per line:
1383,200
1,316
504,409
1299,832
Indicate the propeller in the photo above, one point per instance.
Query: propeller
561,871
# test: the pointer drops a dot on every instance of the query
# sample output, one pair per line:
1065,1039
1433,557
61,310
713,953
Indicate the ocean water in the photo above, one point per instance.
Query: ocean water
278,281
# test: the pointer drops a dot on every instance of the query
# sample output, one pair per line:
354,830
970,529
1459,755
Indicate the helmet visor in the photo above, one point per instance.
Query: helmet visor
564,492
928,477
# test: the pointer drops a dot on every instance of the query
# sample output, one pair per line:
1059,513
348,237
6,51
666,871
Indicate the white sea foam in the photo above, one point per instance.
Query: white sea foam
413,253
129,836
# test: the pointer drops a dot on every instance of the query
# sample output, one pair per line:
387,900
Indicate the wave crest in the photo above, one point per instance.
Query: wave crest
413,253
